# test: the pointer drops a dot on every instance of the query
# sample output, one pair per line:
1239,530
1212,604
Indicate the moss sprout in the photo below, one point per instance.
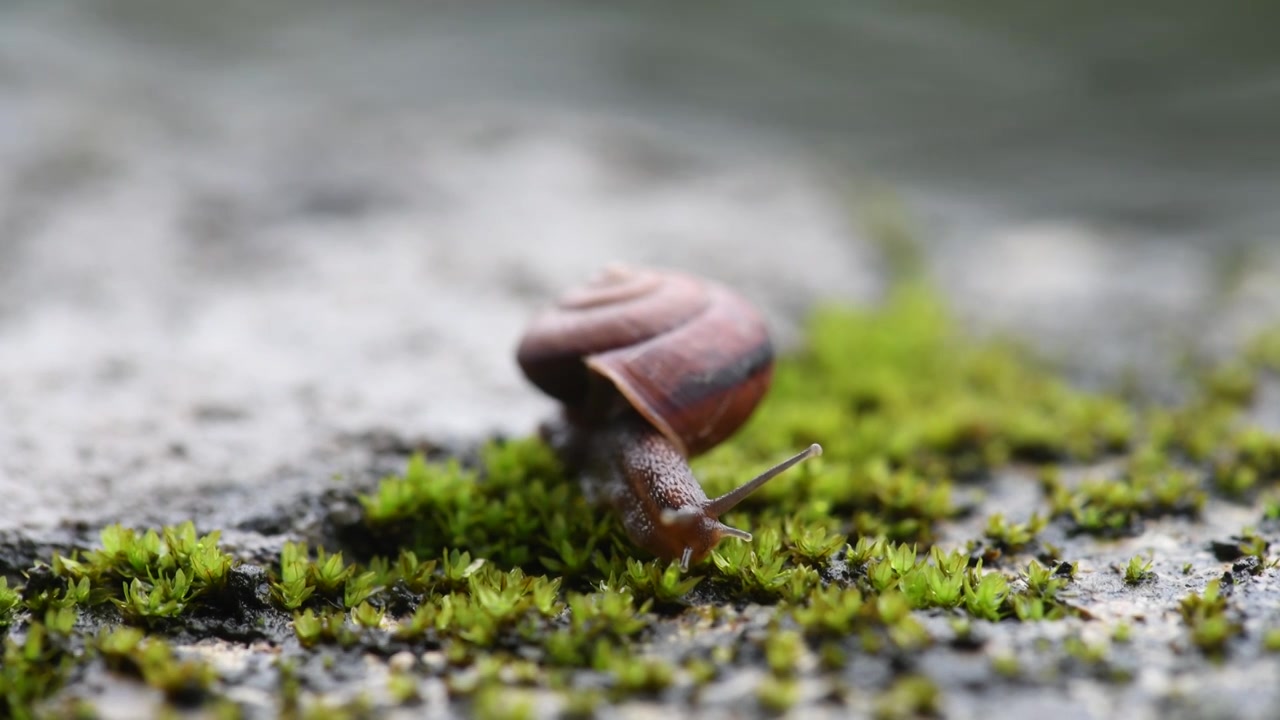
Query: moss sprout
910,696
150,576
1207,617
777,695
33,668
1271,640
9,601
1137,570
1013,537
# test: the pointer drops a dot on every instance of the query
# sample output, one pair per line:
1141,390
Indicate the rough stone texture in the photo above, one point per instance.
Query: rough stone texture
233,265
215,275
203,290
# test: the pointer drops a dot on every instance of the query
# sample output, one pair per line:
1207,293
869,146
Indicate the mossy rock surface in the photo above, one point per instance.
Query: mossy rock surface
979,538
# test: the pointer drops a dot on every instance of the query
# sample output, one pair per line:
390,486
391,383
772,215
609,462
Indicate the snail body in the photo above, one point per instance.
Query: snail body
653,368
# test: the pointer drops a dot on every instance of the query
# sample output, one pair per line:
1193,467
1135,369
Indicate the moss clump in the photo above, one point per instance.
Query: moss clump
129,651
903,385
149,576
1264,351
34,667
904,404
1246,461
1206,615
517,510
328,579
1013,537
912,696
1271,640
1137,570
150,579
1150,485
37,665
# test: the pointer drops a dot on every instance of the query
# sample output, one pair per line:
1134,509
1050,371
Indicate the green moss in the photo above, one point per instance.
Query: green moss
632,675
1264,351
183,682
517,510
9,601
905,405
1207,617
1006,665
1247,460
582,703
498,703
777,695
1271,640
911,696
505,571
38,663
34,667
878,370
782,652
403,688
1089,653
1137,570
328,627
1013,537
663,582
150,576
903,402
1151,485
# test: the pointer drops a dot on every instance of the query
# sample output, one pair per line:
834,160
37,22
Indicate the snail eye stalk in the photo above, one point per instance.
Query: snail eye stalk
726,502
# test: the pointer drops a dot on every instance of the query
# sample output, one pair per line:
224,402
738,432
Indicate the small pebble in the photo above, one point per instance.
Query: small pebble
402,661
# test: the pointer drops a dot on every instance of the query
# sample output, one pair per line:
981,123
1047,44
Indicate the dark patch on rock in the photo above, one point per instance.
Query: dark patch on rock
984,554
190,694
41,580
400,600
18,551
239,612
837,569
383,441
714,591
1226,550
1247,565
1228,584
346,530
268,523
970,641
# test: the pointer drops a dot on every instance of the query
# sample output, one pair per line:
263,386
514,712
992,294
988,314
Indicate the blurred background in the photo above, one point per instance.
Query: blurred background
239,239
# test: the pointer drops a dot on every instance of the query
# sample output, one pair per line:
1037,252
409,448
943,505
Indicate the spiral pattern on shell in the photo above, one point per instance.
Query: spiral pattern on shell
691,356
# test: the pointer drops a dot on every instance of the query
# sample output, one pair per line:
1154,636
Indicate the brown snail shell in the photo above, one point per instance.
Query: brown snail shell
690,355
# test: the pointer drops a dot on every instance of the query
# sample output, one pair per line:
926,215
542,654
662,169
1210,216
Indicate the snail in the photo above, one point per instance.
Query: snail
653,368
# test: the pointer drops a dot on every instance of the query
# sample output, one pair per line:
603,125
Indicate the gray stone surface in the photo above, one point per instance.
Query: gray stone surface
242,249
165,331
211,273
200,289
